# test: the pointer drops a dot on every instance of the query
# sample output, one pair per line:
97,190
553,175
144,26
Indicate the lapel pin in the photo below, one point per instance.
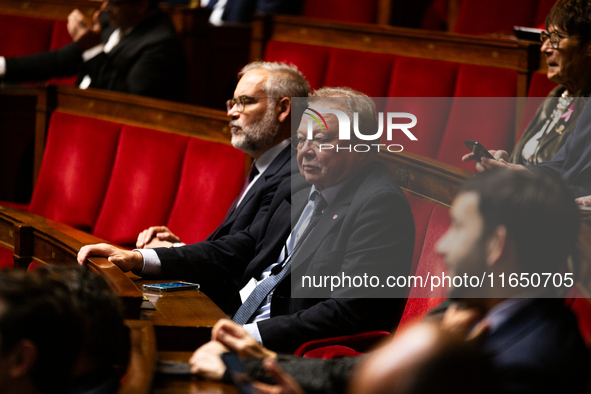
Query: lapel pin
335,217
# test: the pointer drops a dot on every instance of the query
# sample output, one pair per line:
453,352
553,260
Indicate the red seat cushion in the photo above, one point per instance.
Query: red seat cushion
202,201
143,183
490,119
75,171
311,60
342,10
364,71
494,16
22,35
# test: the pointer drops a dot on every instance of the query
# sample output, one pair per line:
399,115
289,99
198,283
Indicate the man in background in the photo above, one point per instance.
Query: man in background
129,46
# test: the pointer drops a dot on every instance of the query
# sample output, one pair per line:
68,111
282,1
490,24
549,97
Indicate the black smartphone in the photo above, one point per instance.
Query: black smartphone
237,373
171,286
478,150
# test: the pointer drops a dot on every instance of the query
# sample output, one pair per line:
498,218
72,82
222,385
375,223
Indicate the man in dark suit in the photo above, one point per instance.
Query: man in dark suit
261,115
129,46
502,222
353,221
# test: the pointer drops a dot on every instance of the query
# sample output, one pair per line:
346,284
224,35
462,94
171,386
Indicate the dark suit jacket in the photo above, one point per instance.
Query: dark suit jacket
537,351
149,61
257,200
540,350
573,160
253,208
368,228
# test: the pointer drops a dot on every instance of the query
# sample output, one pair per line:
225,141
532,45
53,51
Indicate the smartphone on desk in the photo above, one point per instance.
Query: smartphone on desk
478,150
171,286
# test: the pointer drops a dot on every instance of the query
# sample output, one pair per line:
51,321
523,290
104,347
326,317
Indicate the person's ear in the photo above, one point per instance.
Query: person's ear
284,109
22,358
496,246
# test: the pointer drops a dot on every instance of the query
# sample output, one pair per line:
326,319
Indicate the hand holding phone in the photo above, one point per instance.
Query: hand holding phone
237,373
478,150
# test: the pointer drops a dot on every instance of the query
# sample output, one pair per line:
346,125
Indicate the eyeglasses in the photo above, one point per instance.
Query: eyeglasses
298,143
242,101
554,38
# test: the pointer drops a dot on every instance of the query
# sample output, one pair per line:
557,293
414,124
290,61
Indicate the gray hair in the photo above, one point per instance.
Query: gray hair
284,80
354,101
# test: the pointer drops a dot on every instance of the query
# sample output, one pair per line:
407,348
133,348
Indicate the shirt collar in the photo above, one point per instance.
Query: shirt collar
265,160
330,193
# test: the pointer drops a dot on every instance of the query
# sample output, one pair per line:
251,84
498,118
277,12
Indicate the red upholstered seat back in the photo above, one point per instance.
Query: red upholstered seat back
26,35
421,213
143,184
542,12
342,10
489,120
75,171
211,177
311,60
421,300
494,16
364,71
414,79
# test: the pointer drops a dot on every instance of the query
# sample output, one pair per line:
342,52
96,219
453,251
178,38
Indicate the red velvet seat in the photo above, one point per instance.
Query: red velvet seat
424,93
490,119
347,345
24,35
202,201
494,16
143,183
421,300
421,212
311,60
342,10
364,71
75,171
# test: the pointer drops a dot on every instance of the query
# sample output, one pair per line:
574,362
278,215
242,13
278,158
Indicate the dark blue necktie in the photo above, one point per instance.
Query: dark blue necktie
261,292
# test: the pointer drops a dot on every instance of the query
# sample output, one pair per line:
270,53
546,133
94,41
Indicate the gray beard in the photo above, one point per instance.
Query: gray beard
258,137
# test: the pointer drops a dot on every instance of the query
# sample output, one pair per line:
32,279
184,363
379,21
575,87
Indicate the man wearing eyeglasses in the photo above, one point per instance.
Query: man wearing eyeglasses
128,46
342,216
261,113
